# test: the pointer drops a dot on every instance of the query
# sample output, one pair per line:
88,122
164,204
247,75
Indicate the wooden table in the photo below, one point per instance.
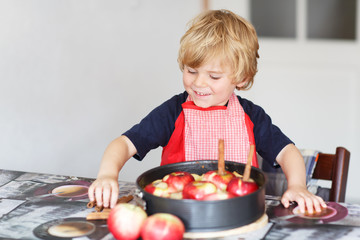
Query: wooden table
30,210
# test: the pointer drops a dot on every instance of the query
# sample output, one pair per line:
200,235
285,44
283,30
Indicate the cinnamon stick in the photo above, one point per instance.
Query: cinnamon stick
99,208
125,199
248,163
102,213
221,161
91,204
98,215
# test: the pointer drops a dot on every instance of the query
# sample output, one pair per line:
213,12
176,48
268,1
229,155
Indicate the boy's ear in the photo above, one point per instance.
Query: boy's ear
242,83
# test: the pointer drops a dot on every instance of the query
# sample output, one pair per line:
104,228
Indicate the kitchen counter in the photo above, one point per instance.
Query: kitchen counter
33,205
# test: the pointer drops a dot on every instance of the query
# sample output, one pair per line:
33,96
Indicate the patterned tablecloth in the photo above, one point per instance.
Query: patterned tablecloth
32,205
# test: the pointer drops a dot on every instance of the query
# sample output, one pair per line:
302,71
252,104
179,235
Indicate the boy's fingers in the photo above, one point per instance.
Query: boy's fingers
99,196
309,205
106,196
301,203
114,196
322,202
319,204
91,193
285,202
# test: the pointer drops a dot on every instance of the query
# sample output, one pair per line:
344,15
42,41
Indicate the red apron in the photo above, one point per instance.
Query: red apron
197,131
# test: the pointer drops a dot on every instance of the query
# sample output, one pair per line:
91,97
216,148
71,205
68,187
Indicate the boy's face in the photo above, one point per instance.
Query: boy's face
210,84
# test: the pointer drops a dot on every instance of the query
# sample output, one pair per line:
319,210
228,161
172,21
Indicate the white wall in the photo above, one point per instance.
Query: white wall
76,74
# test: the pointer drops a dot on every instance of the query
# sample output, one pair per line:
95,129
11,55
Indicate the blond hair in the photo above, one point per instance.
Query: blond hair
225,35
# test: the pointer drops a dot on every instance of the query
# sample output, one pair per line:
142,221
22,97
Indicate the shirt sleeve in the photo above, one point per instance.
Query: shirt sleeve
269,139
157,127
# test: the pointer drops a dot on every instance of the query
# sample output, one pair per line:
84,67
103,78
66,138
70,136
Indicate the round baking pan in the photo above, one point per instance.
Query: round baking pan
206,216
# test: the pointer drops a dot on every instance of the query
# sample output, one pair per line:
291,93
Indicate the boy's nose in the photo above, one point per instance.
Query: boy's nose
200,81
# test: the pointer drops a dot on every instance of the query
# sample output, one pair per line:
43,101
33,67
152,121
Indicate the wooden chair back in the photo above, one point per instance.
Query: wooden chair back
334,167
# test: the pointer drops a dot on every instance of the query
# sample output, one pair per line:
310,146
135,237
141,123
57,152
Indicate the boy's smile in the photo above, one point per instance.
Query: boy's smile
210,84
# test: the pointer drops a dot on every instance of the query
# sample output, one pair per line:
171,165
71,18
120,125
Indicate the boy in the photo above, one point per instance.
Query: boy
217,55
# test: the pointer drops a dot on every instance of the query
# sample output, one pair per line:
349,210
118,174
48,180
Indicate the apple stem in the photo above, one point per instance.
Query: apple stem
248,163
221,161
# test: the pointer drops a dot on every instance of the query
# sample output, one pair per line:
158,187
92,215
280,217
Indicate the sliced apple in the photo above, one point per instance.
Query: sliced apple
159,188
198,190
178,180
220,180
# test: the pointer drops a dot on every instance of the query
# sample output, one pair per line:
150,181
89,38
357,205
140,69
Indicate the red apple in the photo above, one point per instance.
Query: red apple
125,221
178,179
198,189
162,226
159,188
219,195
240,188
221,181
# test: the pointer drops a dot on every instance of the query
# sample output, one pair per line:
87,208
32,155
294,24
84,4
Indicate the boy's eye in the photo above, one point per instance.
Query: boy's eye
215,77
191,70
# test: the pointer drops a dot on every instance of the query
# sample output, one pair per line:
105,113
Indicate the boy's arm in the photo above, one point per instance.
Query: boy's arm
105,189
292,164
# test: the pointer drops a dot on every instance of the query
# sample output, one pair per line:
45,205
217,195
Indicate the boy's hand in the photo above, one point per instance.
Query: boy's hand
105,191
305,199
